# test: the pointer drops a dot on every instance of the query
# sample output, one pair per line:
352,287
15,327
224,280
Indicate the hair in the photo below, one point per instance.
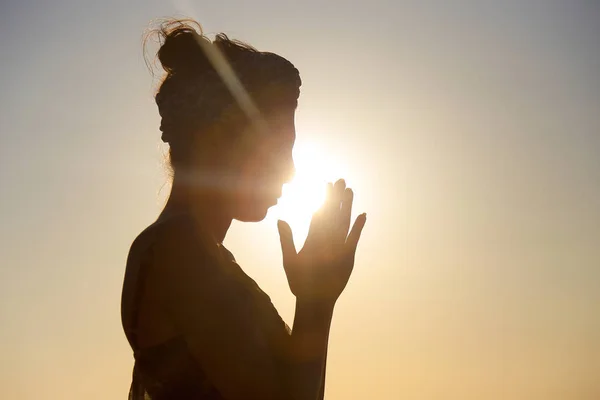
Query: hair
194,99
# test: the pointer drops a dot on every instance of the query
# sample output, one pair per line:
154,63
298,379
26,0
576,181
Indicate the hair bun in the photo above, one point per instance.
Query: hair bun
181,51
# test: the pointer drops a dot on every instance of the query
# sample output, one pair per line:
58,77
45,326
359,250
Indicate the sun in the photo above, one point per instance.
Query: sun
306,192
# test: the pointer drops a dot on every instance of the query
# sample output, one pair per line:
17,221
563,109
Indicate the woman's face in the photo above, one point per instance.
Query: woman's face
265,168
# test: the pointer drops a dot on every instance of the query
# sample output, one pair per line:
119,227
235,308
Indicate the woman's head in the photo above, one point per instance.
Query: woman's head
228,116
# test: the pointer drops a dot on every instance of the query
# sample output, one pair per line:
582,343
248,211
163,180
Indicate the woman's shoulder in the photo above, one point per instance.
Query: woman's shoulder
174,234
169,250
174,248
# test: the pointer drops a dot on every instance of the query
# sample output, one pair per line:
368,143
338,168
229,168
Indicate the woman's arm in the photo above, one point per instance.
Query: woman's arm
318,274
310,336
321,395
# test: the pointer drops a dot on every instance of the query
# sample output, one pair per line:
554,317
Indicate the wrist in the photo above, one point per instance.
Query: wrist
316,305
313,319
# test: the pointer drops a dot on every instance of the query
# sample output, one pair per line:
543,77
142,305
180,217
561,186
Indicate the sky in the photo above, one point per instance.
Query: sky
469,131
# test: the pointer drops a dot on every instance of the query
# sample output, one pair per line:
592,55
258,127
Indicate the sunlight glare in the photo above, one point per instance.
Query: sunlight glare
306,192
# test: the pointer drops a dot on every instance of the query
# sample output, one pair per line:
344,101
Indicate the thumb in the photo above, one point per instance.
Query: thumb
288,249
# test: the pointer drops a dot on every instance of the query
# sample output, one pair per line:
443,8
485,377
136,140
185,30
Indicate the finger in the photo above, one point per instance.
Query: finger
345,213
328,197
314,229
319,219
334,200
333,218
354,236
338,193
288,249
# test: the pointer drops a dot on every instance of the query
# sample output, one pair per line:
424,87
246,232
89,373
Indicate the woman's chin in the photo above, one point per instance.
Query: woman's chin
255,213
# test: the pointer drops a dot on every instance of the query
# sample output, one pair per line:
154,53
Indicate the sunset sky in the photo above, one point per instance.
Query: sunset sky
470,133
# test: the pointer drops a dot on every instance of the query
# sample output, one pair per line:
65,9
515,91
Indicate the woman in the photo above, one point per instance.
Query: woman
199,327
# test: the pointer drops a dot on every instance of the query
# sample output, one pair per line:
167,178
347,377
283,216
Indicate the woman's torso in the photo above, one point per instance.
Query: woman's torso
164,366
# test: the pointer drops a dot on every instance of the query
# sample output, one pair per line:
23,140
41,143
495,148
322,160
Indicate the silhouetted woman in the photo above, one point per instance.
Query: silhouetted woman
200,328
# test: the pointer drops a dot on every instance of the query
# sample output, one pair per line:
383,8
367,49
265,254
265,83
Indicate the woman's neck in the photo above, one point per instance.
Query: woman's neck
205,206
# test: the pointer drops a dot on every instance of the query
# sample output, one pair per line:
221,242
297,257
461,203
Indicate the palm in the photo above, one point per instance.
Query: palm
320,271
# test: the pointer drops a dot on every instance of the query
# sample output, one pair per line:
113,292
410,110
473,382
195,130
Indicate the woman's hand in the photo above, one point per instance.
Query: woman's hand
320,271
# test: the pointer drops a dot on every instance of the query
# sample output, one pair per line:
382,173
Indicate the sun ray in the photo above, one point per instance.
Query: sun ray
306,192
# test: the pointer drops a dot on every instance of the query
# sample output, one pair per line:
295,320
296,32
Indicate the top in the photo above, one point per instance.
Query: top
169,370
